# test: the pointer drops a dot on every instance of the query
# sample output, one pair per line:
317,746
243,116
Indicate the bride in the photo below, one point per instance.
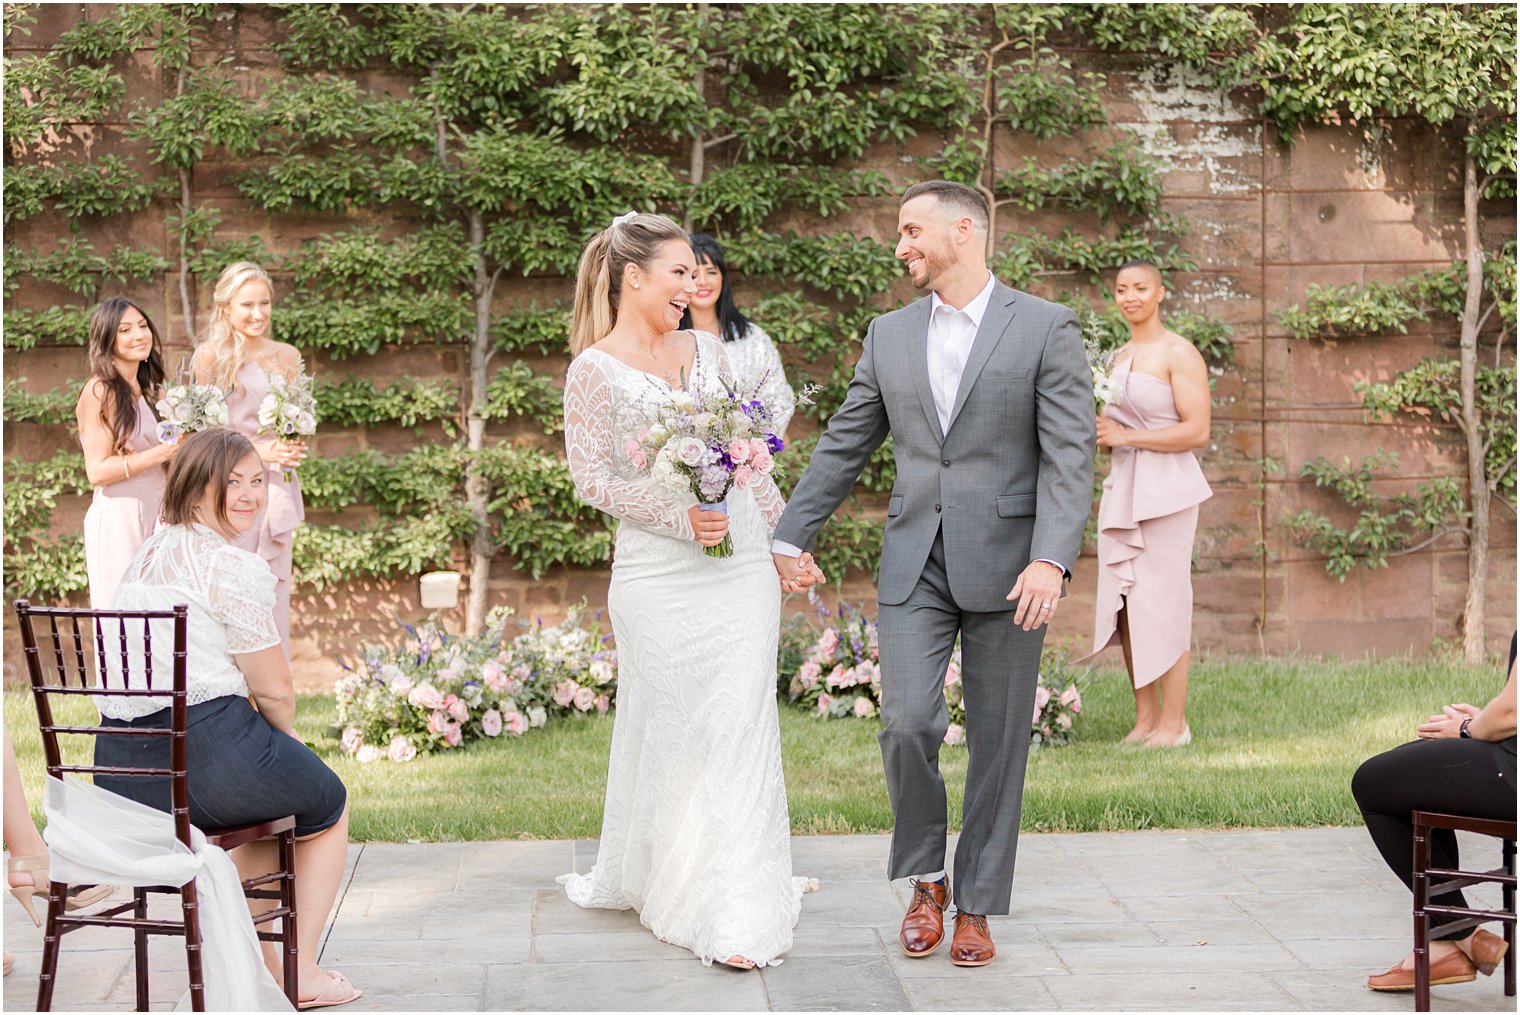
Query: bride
695,835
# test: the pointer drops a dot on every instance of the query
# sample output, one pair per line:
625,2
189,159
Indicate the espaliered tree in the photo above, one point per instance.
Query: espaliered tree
1453,67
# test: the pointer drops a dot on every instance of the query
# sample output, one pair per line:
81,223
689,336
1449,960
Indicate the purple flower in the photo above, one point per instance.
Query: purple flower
774,443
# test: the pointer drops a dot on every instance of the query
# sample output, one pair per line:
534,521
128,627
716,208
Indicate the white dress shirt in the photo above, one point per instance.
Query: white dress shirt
951,334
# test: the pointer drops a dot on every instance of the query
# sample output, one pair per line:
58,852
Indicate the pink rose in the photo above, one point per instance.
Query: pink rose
835,678
401,749
828,641
1071,698
585,697
809,673
456,708
493,676
564,693
425,696
490,723
762,462
521,671
1064,721
603,703
438,721
639,459
953,674
631,447
863,707
825,700
739,451
453,736
514,722
955,734
353,739
742,476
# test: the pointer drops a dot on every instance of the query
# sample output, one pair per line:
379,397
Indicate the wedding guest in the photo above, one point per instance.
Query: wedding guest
118,432
1462,763
26,869
1149,511
751,353
238,353
245,766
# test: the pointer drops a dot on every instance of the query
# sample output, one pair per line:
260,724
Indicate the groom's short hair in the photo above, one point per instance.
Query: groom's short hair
957,198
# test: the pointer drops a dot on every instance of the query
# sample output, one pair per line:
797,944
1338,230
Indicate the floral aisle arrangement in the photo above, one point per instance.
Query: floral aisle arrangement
189,408
438,691
707,447
289,410
831,666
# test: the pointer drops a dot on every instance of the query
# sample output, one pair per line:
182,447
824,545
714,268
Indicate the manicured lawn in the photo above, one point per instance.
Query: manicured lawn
1275,745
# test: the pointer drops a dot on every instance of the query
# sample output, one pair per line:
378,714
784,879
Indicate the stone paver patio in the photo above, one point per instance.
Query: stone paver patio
1236,920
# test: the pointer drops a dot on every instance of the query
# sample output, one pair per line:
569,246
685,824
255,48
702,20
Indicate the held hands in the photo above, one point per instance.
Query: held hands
1038,592
1448,724
708,527
1111,433
798,574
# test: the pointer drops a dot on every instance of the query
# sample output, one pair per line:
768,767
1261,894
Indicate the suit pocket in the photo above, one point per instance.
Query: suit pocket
894,506
1019,505
1005,376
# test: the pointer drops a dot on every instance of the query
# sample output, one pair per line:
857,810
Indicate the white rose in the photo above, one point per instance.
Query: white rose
182,413
537,716
668,477
291,411
691,451
306,423
683,400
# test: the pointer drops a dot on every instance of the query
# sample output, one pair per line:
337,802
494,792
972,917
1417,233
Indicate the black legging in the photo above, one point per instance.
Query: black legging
1469,777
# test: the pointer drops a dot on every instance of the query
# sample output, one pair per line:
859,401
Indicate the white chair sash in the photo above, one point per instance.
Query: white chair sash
97,837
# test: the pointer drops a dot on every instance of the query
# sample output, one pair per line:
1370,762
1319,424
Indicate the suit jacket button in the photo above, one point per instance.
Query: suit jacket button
936,509
946,463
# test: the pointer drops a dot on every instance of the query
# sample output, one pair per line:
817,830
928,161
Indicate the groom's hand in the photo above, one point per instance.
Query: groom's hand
1038,592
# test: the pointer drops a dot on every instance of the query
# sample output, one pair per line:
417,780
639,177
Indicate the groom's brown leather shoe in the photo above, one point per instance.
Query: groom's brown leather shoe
972,944
923,928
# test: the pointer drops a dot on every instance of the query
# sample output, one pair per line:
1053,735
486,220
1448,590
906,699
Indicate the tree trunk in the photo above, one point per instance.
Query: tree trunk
1477,479
698,166
186,206
476,486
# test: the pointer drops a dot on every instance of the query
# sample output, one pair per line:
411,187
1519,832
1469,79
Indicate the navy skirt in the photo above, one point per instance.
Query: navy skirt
241,770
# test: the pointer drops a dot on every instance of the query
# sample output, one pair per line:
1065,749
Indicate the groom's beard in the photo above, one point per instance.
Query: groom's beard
934,267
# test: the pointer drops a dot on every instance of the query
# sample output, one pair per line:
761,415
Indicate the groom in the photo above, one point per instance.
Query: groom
989,402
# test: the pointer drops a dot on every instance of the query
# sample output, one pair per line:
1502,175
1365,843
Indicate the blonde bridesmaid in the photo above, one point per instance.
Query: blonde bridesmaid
238,354
118,432
1149,511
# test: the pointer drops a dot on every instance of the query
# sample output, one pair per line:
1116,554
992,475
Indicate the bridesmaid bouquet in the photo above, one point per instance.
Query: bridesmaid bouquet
188,408
289,411
707,447
1105,390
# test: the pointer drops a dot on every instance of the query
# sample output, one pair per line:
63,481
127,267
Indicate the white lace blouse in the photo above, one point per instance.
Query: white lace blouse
757,369
231,595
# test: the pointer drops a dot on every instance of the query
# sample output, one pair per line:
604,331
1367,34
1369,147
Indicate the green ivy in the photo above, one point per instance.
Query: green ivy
410,402
110,185
75,266
48,408
27,329
1340,310
1118,179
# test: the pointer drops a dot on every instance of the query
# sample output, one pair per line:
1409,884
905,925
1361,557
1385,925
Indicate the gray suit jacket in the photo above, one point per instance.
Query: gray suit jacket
1009,483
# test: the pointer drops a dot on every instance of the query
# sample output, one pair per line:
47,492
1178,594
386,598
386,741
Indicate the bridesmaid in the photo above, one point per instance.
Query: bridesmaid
118,432
751,353
237,354
1149,511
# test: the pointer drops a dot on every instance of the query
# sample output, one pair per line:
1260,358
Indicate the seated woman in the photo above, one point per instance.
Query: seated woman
1463,763
245,766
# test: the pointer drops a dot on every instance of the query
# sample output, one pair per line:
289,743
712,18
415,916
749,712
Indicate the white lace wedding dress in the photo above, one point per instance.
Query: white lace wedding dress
696,835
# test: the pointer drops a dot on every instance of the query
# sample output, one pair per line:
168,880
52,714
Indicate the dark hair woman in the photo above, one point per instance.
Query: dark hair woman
246,766
118,432
751,353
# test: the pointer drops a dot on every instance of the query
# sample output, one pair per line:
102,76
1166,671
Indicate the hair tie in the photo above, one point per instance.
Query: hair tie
624,219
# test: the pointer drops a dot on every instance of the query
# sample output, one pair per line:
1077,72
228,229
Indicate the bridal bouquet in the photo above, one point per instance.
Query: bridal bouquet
289,411
188,408
707,447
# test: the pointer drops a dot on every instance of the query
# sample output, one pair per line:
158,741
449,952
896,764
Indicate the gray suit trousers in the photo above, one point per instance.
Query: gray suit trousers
1000,666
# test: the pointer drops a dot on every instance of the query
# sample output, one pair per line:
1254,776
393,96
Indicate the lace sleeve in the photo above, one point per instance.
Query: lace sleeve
774,391
767,495
240,589
589,447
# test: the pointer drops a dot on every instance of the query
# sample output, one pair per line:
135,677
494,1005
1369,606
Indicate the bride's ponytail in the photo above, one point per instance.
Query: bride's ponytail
631,239
592,315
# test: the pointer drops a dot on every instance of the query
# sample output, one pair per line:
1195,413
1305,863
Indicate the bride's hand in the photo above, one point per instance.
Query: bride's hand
709,527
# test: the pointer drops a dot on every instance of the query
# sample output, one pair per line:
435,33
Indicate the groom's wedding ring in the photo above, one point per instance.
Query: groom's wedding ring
1044,606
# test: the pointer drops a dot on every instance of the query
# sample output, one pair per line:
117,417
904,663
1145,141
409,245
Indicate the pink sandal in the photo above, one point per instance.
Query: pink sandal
338,991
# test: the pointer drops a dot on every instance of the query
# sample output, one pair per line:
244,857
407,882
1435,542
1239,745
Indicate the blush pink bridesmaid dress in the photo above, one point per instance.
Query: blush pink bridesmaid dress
123,515
273,533
1146,522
